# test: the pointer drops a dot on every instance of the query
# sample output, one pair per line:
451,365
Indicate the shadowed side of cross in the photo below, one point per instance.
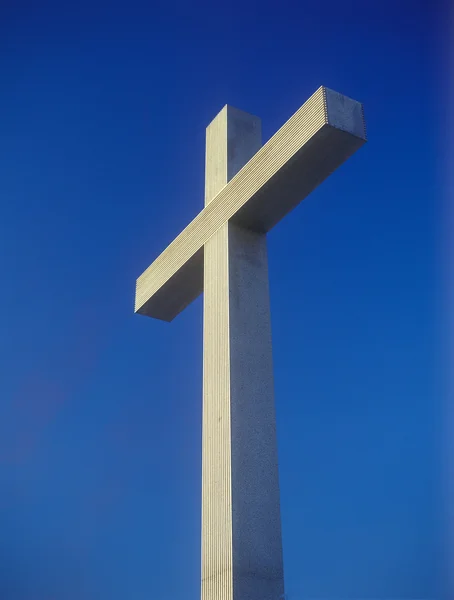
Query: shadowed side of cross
313,143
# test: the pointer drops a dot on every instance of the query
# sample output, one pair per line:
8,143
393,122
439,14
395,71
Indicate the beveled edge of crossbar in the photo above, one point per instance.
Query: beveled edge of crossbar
329,125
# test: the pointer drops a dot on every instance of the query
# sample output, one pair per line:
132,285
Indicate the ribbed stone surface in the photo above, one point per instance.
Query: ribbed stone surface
317,139
223,252
241,527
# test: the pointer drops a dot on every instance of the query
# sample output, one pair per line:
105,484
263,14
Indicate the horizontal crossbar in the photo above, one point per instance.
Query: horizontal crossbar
313,143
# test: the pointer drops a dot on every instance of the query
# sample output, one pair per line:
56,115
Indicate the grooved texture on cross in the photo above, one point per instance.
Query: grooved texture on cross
316,140
241,526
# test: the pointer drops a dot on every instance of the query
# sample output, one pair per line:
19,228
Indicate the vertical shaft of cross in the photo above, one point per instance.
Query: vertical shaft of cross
241,526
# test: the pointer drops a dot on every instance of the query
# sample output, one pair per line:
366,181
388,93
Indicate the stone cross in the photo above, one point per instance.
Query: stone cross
223,252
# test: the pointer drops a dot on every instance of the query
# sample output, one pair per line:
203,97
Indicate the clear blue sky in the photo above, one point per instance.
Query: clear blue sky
103,112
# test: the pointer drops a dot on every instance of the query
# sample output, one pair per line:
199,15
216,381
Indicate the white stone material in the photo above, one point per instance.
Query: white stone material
248,189
241,527
320,136
345,114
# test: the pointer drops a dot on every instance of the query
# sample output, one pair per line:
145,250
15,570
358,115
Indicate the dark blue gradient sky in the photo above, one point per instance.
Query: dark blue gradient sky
102,121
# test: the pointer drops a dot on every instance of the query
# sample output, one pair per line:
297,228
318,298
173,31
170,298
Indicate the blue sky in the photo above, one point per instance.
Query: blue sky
102,122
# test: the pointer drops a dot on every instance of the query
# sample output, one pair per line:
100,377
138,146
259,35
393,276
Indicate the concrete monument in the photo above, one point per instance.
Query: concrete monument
222,252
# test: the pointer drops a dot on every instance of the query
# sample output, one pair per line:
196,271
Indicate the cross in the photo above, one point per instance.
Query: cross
223,252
